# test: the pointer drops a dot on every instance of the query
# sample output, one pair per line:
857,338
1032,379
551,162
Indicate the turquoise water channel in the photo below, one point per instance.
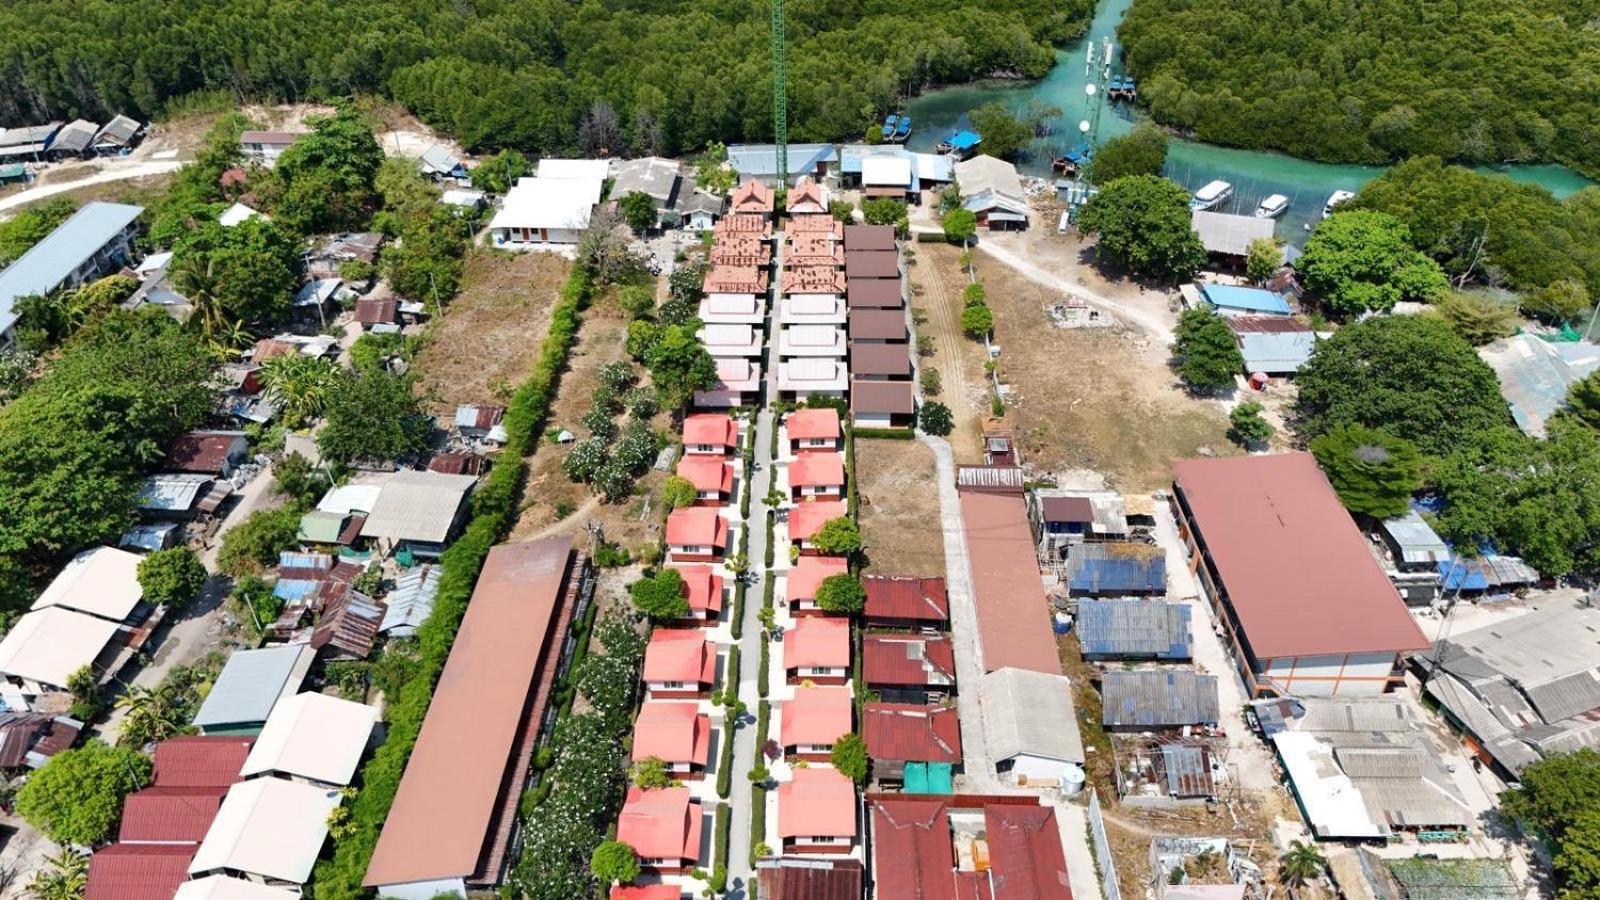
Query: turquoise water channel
1254,174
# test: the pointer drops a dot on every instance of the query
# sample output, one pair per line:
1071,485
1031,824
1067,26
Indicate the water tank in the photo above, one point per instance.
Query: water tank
1072,779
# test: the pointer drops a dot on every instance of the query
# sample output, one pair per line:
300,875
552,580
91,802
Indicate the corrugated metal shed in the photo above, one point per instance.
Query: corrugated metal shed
251,684
1159,698
1279,353
1000,478
1116,569
1187,770
1134,628
411,601
1535,374
49,263
1229,234
1417,541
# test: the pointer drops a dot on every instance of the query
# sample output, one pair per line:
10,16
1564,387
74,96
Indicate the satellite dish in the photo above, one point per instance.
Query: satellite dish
1084,126
1089,89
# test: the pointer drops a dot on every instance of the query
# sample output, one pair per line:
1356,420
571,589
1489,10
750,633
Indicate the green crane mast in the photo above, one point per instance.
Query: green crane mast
780,94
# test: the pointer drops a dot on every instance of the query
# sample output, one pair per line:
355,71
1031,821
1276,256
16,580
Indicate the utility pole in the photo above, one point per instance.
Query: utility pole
780,94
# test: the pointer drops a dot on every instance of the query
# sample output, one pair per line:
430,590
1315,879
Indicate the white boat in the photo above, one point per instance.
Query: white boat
1272,207
1211,196
1334,199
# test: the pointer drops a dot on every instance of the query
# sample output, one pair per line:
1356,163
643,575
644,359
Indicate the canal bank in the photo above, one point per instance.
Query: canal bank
1254,174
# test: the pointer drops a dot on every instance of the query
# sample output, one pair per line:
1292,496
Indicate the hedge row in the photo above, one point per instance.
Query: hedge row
885,434
853,497
932,237
736,624
761,674
721,833
758,821
730,699
494,509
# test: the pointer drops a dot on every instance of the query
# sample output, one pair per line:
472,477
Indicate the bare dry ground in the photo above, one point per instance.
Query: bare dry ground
552,503
1100,399
936,286
899,507
488,339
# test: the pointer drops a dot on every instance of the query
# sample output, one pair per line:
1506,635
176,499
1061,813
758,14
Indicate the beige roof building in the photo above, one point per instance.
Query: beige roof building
418,506
47,645
314,737
103,582
268,828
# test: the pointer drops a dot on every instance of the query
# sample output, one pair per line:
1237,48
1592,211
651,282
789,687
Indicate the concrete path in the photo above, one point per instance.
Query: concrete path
44,191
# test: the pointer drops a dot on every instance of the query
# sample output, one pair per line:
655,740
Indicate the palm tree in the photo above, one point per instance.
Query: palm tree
1302,863
150,715
300,385
64,877
196,278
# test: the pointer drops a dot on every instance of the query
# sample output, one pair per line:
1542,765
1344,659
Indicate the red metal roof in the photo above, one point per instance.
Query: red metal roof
663,823
707,473
905,597
200,761
808,517
1026,861
875,293
169,814
818,802
907,659
909,731
882,397
808,574
696,527
789,878
447,813
672,732
817,642
878,324
816,715
1066,509
1013,614
1295,568
817,468
679,654
912,852
813,424
702,587
370,311
206,452
646,892
711,428
138,871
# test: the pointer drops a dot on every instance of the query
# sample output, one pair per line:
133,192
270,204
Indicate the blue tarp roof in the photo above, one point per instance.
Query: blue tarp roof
964,140
1116,569
1134,628
48,263
1248,299
929,778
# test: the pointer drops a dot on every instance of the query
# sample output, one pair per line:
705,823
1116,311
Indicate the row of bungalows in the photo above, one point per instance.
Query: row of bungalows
967,846
737,288
881,394
453,822
78,139
813,344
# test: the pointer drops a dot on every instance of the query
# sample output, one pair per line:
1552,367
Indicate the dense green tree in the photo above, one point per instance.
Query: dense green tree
1477,318
1583,398
1358,260
838,537
678,492
1411,376
935,419
374,416
679,365
1207,354
1143,223
650,773
328,177
76,797
1556,798
1373,472
886,211
660,595
301,385
171,577
252,545
973,294
639,211
613,862
1005,134
841,594
426,264
1142,151
1262,259
959,225
1560,301
32,225
1247,426
246,272
849,756
977,320
497,172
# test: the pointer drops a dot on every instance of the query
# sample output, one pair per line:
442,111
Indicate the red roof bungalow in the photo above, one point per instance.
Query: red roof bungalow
817,813
712,434
814,429
806,519
753,198
210,761
675,733
808,575
646,892
905,601
703,589
814,719
697,534
817,474
1025,856
679,664
138,871
663,827
913,850
817,649
908,663
712,479
169,815
898,733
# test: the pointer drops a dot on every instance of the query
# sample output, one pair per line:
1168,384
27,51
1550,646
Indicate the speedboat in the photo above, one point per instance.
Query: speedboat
1211,196
1334,199
1272,207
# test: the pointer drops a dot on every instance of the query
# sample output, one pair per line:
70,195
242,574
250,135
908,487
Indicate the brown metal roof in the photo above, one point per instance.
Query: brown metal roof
205,452
882,397
1013,615
1295,568
1265,324
822,879
445,810
871,264
371,311
875,293
878,325
868,237
912,850
892,360
1026,859
1067,509
897,597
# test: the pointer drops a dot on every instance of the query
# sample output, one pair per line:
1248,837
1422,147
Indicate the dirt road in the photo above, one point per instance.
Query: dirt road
9,204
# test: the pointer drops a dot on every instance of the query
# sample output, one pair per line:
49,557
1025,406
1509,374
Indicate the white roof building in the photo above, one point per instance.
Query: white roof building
992,186
576,169
732,309
418,506
549,203
812,340
103,582
886,171
314,737
238,214
730,340
269,828
47,645
811,309
817,375
1029,722
351,498
223,887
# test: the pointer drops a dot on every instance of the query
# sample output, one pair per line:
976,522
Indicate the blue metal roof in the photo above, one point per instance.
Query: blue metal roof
1159,698
44,267
1115,569
1247,299
964,140
761,160
251,684
1134,628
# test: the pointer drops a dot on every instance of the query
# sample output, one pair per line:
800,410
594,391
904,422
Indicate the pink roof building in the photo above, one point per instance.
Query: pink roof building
813,429
696,533
711,476
679,662
710,433
817,474
806,576
817,649
663,827
675,733
815,718
806,519
817,811
702,589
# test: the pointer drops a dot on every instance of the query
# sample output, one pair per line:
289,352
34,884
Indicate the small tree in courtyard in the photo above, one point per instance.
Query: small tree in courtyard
1207,356
171,577
613,862
849,756
935,419
841,594
1248,427
660,595
960,225
838,537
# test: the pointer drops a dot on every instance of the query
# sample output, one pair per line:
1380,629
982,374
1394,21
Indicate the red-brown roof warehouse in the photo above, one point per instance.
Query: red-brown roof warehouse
1306,605
1013,616
452,816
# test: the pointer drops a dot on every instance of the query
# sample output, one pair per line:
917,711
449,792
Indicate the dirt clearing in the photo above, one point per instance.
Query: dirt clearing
1101,398
488,339
899,508
936,285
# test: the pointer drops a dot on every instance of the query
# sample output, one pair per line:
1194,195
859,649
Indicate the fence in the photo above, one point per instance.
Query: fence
1102,849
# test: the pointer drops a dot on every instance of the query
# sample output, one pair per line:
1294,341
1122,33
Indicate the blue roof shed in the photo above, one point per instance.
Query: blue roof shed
1229,298
1146,629
1159,698
1116,569
964,140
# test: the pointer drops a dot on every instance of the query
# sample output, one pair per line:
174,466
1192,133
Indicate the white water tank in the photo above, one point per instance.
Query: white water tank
1072,779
